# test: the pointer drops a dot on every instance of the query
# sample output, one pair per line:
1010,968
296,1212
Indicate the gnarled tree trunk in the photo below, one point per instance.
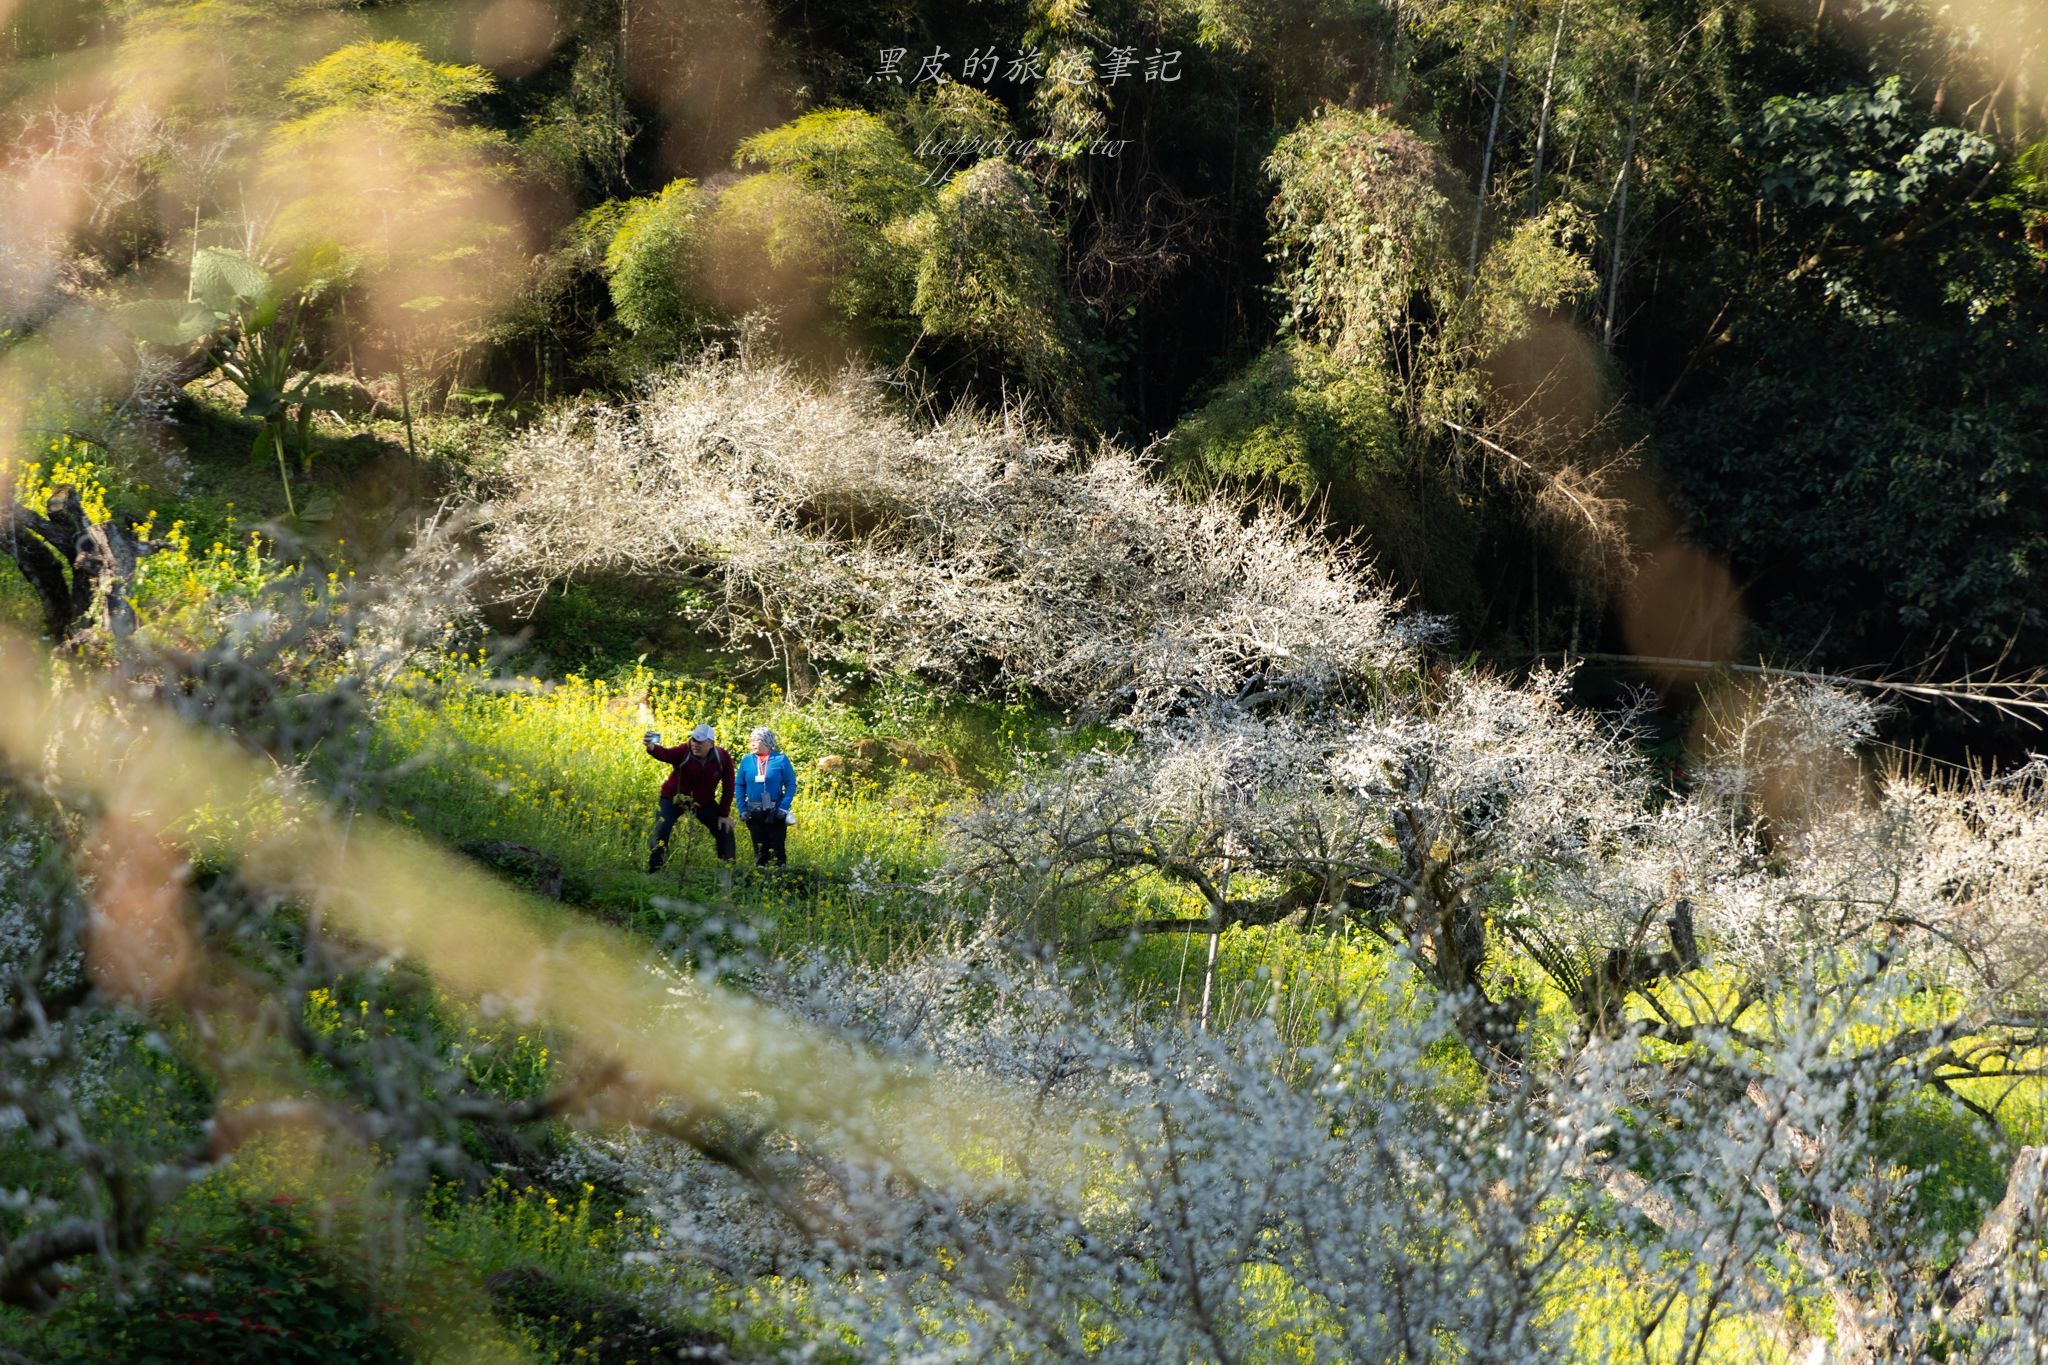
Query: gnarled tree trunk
73,563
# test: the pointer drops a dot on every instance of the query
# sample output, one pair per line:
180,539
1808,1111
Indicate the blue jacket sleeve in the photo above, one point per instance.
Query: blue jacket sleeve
788,783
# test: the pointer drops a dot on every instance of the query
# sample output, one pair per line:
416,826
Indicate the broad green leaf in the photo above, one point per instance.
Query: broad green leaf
227,281
166,322
266,310
263,402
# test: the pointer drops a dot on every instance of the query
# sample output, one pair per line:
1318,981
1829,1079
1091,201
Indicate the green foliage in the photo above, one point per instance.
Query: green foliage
954,113
1309,50
856,167
565,313
1296,418
237,1278
653,263
207,61
1330,434
1540,269
988,274
1361,227
557,1271
20,610
776,243
389,74
853,158
594,629
238,1274
386,100
1366,238
1541,266
1864,151
379,167
580,136
254,324
1379,265
1907,480
1962,1168
1298,979
183,594
843,227
1868,450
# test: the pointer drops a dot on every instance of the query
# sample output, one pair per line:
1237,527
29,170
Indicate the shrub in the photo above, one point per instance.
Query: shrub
988,274
1323,432
854,166
652,265
250,1283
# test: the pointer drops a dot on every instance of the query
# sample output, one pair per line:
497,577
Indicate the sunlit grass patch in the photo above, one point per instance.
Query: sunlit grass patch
1298,977
1627,1312
18,605
559,767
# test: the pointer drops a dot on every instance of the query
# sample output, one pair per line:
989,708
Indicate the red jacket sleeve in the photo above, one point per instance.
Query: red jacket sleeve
726,779
674,754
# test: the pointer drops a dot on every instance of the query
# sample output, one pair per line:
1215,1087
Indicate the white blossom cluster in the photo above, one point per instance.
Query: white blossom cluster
1437,797
973,550
19,931
1476,795
1770,957
1177,1194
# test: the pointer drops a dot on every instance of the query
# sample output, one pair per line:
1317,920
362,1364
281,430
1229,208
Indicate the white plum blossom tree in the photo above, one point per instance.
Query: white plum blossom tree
974,551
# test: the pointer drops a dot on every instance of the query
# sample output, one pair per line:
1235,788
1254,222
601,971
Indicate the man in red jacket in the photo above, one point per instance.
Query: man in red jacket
702,777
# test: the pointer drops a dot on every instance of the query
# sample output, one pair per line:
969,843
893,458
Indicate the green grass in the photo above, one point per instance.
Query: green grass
560,768
19,608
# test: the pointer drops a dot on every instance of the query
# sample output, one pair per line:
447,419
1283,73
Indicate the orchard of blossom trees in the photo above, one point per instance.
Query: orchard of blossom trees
1573,1063
1626,1085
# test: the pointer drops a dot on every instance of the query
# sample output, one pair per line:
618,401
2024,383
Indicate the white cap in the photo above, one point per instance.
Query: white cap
701,732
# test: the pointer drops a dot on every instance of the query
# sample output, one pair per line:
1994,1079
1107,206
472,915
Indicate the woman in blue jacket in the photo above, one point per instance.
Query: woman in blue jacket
764,785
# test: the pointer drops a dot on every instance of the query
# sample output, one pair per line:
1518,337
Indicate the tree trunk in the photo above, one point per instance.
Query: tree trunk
1628,156
1971,1286
800,680
1543,115
73,564
405,406
1500,94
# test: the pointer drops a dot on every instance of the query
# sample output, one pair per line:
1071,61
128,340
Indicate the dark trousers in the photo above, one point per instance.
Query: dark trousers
671,810
771,837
